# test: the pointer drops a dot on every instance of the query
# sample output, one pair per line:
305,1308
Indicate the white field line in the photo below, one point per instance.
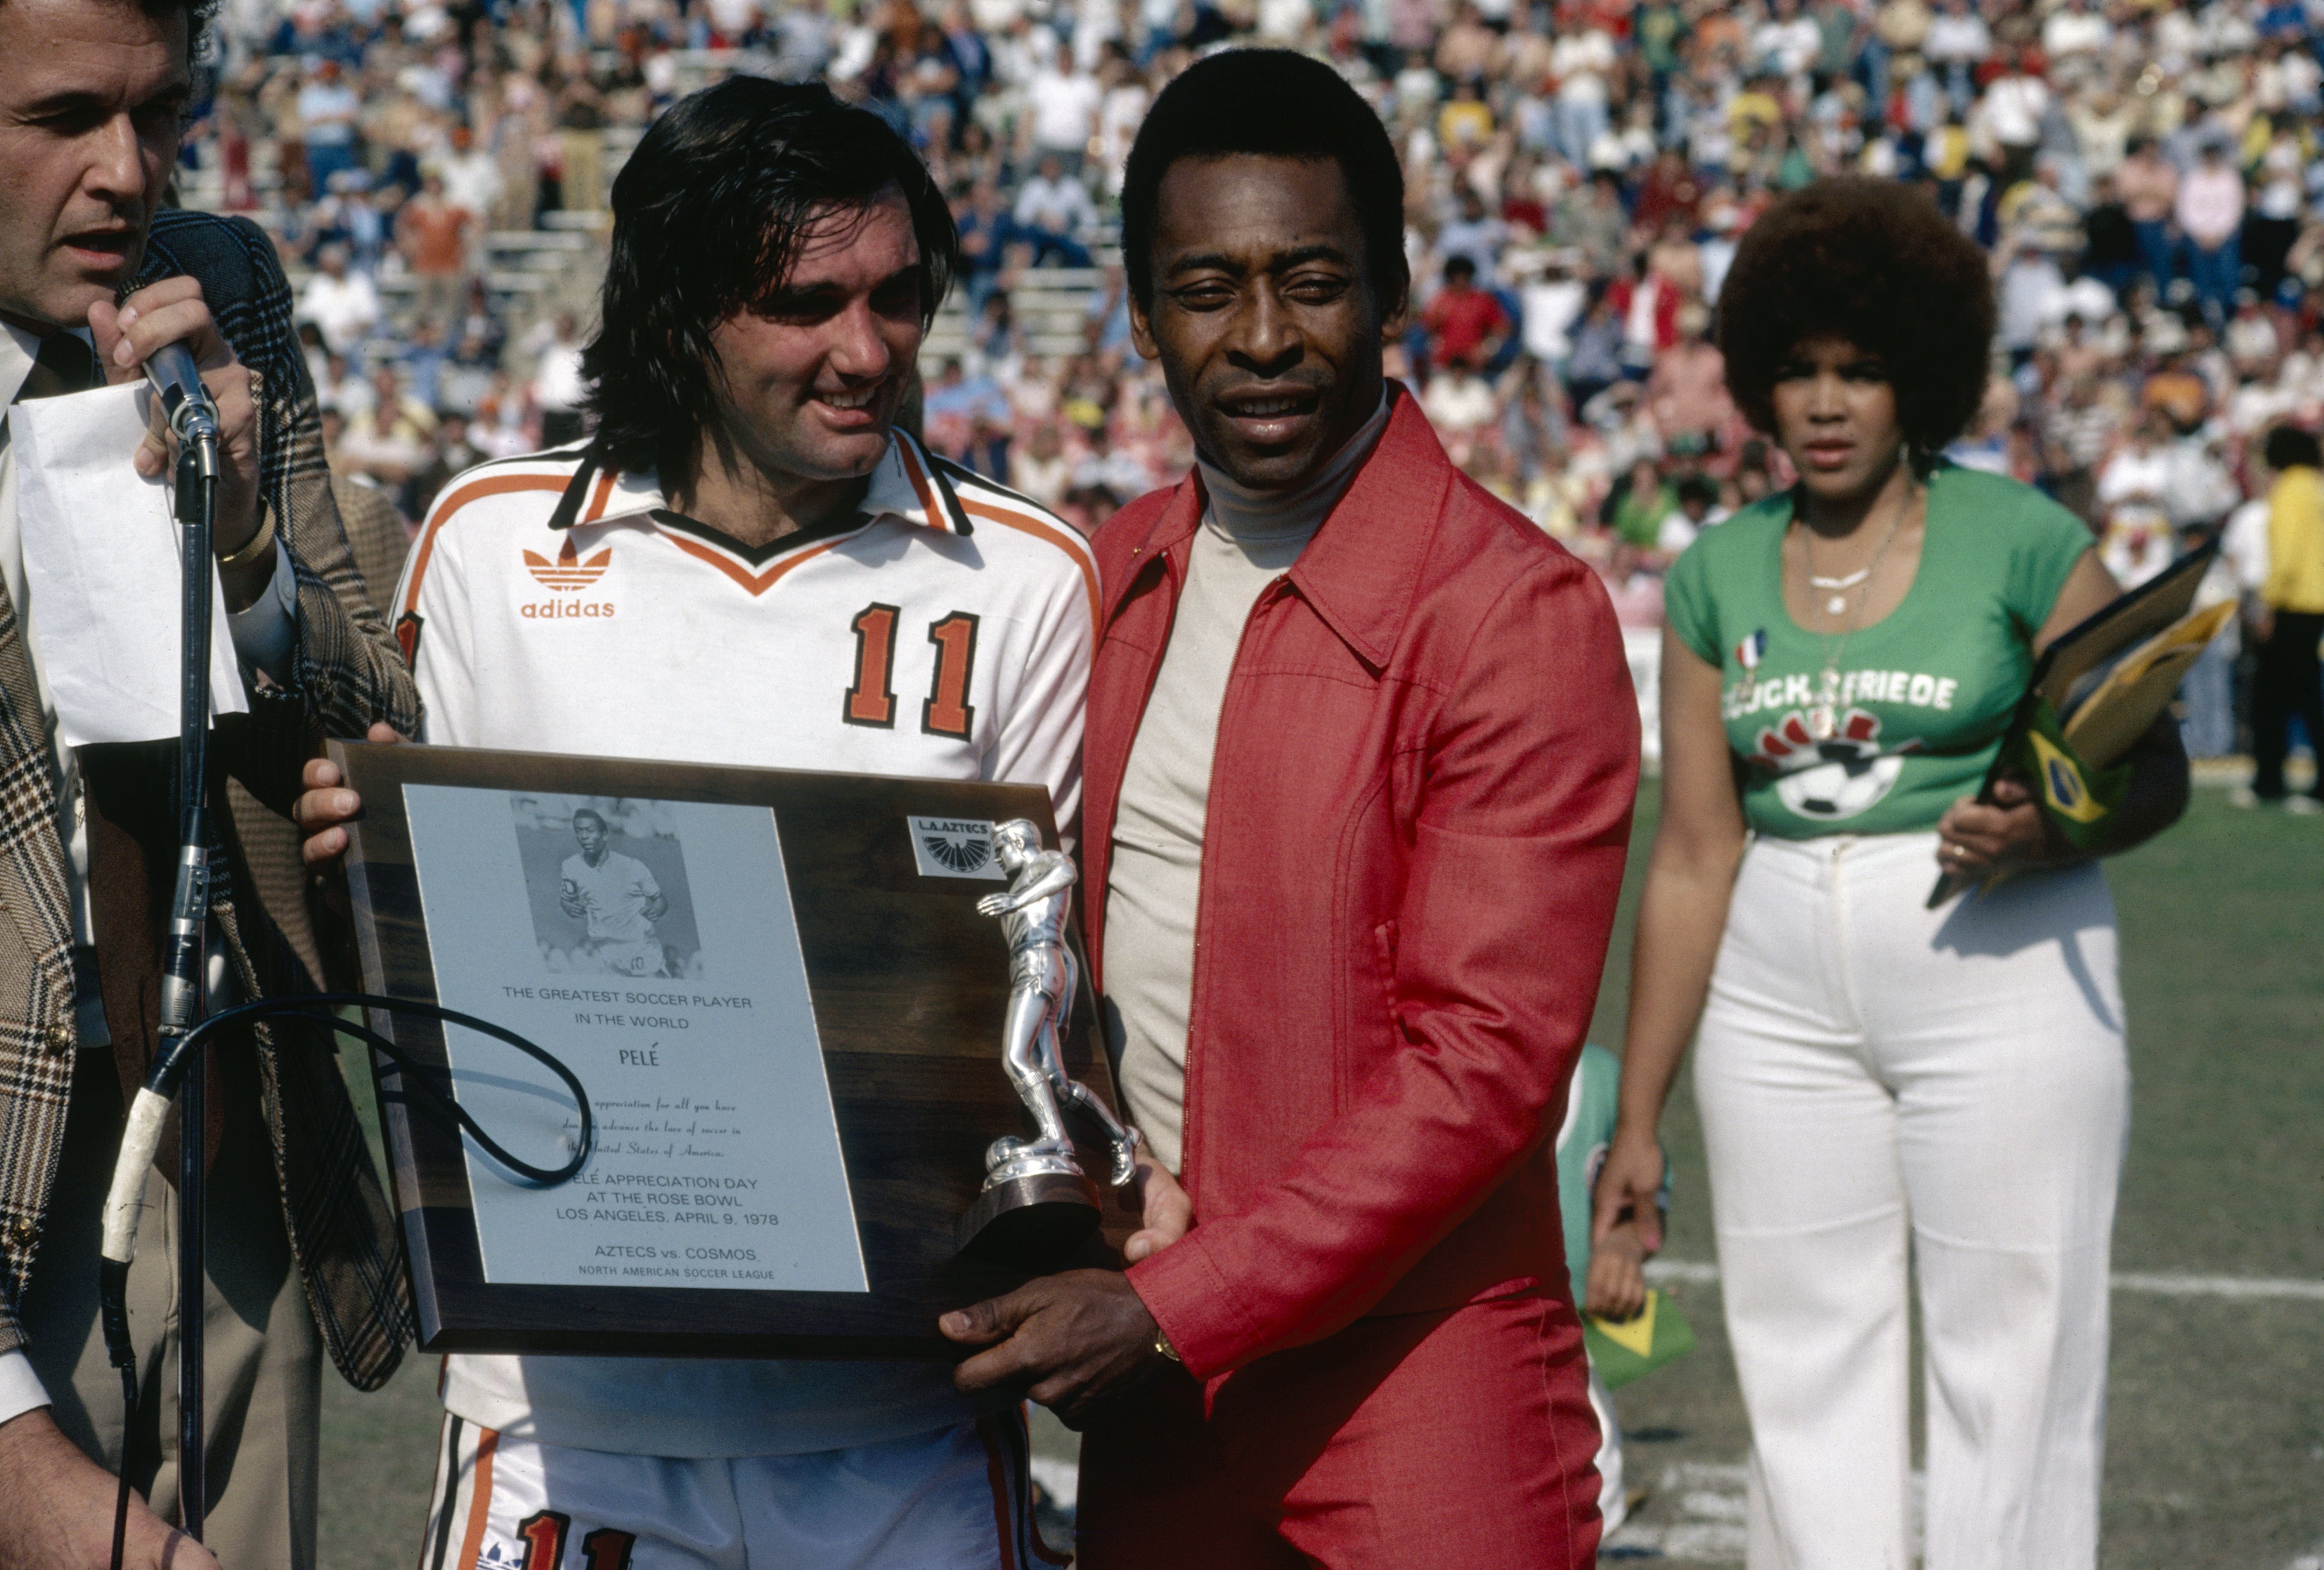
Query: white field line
2161,1283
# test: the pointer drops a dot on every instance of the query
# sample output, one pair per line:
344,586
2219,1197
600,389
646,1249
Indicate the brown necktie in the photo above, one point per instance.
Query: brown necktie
65,364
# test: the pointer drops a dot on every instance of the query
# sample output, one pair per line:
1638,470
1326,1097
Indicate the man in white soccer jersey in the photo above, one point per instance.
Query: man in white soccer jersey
747,564
617,895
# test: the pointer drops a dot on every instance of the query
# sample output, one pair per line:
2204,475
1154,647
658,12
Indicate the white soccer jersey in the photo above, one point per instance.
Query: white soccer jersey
612,896
550,606
945,632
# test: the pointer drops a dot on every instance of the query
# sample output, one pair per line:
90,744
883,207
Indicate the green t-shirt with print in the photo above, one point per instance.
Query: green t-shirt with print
1922,695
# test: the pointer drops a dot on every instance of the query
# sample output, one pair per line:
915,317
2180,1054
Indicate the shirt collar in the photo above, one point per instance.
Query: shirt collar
18,350
1361,571
906,484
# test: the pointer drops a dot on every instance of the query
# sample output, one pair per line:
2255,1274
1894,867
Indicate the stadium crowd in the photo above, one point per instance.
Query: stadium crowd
2144,177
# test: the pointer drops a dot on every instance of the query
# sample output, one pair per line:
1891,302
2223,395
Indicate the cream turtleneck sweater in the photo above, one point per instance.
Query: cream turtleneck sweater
1247,540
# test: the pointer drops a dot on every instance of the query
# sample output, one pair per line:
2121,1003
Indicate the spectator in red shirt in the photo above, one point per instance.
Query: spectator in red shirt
1466,325
1669,190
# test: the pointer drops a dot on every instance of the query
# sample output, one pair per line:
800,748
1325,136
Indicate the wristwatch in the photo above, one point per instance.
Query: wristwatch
1162,1344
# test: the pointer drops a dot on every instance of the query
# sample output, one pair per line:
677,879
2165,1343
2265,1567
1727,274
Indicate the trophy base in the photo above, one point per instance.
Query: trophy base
1030,1219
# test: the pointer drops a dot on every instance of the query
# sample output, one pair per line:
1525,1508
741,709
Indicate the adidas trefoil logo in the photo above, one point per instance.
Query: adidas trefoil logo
570,572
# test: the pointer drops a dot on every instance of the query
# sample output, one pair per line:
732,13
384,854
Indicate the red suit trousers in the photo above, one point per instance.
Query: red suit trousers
1460,1439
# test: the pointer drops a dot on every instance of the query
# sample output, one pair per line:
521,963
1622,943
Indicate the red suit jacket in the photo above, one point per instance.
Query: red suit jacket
1419,813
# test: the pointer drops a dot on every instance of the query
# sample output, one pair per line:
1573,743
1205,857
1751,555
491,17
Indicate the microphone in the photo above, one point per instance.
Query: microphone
178,383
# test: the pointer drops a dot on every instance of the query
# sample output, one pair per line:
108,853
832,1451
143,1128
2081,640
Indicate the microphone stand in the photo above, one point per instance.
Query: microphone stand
194,418
178,1063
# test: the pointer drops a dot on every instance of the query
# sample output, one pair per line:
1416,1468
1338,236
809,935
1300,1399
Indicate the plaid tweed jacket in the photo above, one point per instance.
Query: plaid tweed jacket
346,674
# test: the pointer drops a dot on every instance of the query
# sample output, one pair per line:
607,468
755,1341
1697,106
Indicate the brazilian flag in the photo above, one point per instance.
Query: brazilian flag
1621,1350
2077,798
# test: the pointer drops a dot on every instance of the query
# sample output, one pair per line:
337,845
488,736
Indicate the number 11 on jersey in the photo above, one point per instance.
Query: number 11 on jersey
870,700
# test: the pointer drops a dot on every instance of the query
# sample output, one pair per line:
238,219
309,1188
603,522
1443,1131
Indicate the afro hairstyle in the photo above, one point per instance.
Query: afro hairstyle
1873,262
1274,103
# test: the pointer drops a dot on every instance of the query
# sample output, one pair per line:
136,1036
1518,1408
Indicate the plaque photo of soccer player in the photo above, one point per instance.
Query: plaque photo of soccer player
606,880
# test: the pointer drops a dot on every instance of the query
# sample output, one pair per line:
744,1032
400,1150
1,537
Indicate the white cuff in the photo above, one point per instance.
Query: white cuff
264,631
20,1388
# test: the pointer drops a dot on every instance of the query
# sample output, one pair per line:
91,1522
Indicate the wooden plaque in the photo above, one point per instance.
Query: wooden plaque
908,987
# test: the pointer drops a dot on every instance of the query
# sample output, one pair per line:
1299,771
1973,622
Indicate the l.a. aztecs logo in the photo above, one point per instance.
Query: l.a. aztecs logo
961,854
1839,777
954,847
570,573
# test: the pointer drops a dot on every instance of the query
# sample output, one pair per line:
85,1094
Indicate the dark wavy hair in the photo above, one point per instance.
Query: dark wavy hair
1277,104
199,14
708,215
1873,262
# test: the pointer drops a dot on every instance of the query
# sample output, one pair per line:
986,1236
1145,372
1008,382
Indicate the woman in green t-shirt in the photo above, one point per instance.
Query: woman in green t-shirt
1880,1081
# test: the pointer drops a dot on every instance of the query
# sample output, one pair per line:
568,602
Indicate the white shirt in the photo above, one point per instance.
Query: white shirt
556,379
1057,206
2012,108
471,179
345,309
1790,47
1963,38
1064,109
638,633
1551,307
2244,542
614,892
326,114
2068,33
1458,402
2134,479
264,634
1117,127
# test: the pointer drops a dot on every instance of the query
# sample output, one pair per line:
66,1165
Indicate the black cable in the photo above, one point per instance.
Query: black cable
167,1070
112,1275
445,1106
128,1437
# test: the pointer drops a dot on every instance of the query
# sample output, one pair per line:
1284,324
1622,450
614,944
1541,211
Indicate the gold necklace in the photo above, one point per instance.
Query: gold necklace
1823,715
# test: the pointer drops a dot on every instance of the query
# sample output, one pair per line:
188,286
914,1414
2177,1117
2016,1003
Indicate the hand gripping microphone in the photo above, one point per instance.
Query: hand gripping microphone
186,404
185,401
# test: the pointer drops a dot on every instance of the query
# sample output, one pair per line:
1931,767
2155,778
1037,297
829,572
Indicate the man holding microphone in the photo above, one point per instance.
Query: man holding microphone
94,279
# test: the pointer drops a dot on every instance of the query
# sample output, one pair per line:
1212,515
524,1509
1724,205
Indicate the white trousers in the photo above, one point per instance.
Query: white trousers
953,1500
1869,1071
1613,1499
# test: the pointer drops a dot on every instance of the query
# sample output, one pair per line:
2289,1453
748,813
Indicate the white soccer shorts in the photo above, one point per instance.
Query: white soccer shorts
957,1499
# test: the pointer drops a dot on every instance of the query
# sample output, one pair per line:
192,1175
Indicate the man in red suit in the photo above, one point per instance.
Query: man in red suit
1360,761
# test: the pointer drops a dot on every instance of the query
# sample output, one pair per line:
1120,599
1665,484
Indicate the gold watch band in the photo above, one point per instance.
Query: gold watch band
258,544
1162,1344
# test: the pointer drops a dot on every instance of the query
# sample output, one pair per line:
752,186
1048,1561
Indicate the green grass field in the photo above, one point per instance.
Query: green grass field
2216,1417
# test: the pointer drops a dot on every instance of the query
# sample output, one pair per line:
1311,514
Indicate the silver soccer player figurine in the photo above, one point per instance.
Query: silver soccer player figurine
1042,976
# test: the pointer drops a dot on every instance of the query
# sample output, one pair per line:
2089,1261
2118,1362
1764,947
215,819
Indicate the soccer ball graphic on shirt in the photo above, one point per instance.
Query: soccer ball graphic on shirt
1834,779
